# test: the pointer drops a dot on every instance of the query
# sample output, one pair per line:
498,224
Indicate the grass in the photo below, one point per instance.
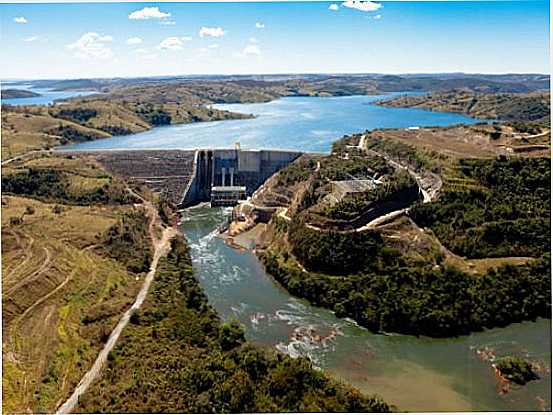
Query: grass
32,128
62,293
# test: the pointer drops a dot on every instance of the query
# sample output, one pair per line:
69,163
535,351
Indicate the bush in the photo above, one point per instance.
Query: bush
517,370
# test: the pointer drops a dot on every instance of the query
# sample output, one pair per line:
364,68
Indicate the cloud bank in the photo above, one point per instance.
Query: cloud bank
211,32
91,45
148,13
364,6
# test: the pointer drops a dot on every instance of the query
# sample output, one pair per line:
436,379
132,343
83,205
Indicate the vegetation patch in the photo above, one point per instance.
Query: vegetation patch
128,241
507,214
70,186
490,208
516,369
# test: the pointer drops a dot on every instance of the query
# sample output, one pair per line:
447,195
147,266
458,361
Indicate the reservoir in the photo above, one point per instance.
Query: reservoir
295,123
414,373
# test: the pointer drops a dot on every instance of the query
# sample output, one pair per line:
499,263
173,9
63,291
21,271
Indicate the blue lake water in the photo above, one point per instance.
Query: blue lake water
298,123
47,96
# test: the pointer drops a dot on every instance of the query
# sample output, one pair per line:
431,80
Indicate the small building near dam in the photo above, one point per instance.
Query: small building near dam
227,195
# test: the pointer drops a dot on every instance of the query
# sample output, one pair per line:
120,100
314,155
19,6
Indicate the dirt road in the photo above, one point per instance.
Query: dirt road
161,248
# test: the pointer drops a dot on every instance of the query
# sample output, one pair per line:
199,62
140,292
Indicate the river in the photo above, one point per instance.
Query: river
414,373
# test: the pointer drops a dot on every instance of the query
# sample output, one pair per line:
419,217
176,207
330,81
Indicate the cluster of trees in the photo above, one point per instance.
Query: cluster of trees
53,185
507,215
331,251
176,356
116,130
530,127
296,172
128,241
152,114
78,115
387,294
414,157
70,134
158,117
516,369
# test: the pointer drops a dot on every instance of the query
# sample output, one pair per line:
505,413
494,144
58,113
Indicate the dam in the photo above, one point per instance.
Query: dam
188,177
225,176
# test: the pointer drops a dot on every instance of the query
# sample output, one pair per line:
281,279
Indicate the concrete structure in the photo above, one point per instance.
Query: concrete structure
227,195
231,168
344,188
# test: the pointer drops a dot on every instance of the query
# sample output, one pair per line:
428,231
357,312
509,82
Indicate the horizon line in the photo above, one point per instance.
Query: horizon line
14,79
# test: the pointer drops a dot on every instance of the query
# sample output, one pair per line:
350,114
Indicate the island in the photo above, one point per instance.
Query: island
18,93
516,369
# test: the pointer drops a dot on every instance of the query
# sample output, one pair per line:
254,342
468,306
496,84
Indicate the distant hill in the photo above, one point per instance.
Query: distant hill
361,82
525,107
18,93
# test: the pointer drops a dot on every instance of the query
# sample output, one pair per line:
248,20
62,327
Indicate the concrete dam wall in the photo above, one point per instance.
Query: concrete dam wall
233,168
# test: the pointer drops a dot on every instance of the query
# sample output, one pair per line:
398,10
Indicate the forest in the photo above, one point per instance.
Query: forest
507,214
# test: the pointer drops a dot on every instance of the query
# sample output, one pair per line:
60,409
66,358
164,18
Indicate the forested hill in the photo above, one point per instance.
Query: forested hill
18,93
534,107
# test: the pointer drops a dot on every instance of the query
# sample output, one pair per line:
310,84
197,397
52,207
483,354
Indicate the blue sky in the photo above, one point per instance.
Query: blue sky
135,39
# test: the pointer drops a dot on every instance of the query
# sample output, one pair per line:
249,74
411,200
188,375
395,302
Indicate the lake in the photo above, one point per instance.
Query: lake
296,123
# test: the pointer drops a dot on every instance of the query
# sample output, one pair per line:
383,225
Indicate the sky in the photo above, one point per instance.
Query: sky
46,41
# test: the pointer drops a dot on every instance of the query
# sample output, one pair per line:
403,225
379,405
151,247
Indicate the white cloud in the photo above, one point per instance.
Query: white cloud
20,20
148,13
168,22
333,7
213,46
134,41
212,31
31,39
253,40
377,17
173,43
364,6
251,50
260,25
92,45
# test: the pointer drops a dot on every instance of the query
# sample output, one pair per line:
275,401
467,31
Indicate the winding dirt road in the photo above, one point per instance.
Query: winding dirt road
429,192
161,248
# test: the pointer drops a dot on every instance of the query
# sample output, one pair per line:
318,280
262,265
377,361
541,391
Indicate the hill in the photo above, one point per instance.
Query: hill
68,272
534,107
18,93
451,263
